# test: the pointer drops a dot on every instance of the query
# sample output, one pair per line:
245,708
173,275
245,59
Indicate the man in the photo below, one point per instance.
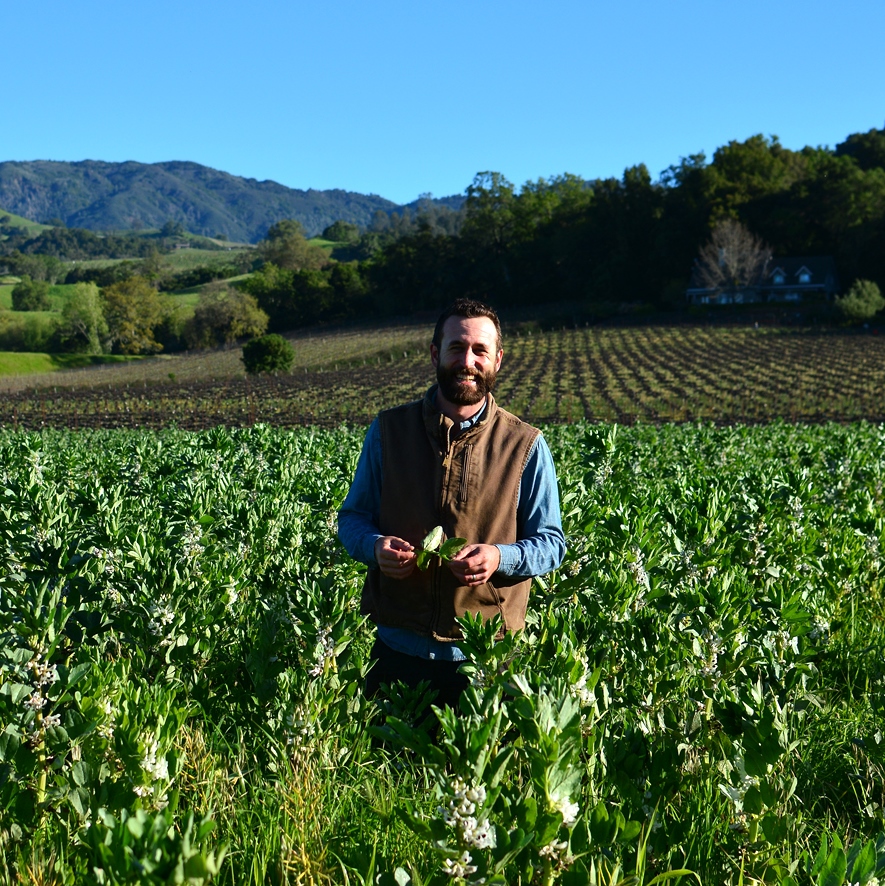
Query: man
454,459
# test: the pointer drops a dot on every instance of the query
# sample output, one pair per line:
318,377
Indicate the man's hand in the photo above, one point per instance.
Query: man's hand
475,564
395,557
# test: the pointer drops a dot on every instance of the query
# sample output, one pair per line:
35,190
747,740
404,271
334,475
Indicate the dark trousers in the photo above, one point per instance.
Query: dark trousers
390,666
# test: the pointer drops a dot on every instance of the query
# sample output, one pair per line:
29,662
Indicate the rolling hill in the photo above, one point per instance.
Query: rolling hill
105,196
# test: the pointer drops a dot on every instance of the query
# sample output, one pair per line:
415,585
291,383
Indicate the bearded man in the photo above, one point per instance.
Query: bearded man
453,459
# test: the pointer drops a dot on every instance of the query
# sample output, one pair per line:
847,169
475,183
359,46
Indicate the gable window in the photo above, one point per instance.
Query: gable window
779,278
804,277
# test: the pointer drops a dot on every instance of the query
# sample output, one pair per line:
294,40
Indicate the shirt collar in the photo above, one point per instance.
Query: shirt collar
470,422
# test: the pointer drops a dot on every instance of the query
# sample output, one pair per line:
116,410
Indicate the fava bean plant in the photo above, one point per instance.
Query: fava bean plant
697,694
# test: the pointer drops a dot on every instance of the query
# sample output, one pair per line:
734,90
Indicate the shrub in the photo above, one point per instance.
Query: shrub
862,301
31,295
34,334
270,353
222,316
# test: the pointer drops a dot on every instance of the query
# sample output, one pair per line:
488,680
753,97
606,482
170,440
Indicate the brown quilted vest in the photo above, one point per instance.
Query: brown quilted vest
469,485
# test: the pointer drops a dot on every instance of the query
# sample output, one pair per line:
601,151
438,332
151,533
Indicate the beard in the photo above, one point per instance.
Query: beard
465,395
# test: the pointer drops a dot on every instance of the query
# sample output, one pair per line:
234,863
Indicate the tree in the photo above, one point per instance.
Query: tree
866,148
732,259
133,310
222,316
37,267
31,295
270,353
286,247
342,232
83,326
862,301
172,229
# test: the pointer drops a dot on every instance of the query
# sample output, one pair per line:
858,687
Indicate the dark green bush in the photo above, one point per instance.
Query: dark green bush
862,302
269,353
31,295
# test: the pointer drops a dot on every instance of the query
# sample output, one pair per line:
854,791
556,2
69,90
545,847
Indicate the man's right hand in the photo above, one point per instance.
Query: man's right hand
395,556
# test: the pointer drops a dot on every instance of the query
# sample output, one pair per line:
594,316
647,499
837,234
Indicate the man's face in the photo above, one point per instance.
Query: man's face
467,359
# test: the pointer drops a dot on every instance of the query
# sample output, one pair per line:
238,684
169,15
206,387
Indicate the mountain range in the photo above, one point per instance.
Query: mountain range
103,196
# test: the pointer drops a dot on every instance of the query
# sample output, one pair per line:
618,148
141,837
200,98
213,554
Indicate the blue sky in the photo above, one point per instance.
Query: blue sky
400,98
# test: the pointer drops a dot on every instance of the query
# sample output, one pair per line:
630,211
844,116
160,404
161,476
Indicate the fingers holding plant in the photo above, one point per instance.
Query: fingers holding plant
471,564
395,557
475,564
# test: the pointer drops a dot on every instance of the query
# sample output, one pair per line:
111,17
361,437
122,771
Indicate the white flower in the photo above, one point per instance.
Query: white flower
192,547
326,648
460,868
35,702
568,810
44,674
460,814
53,721
553,850
155,766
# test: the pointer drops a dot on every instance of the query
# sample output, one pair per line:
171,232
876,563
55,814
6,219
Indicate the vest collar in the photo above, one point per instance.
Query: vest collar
442,428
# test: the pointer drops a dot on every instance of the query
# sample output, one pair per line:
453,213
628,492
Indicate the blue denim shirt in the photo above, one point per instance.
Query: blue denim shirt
539,549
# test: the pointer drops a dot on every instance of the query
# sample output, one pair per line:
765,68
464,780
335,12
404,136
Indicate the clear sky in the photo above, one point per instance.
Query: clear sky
403,97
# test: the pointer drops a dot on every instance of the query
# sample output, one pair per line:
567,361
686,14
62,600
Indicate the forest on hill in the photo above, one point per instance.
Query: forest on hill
104,196
601,245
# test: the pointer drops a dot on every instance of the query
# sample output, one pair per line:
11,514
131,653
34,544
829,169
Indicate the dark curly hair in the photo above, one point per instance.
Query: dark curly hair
467,308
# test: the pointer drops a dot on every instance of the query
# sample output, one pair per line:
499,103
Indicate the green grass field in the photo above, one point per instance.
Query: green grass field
20,222
186,259
18,363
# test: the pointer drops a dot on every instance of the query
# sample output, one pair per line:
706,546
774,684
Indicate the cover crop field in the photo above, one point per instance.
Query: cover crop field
699,688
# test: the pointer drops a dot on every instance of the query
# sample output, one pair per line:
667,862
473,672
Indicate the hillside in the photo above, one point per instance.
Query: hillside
121,196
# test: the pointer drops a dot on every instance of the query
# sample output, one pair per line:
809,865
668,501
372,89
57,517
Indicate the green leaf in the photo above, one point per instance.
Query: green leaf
451,547
81,773
433,539
865,864
834,868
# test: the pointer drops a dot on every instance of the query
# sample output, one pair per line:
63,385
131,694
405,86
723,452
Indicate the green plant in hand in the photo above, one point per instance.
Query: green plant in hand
434,546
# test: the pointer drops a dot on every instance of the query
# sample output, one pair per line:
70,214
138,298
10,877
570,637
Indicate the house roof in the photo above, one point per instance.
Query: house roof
819,266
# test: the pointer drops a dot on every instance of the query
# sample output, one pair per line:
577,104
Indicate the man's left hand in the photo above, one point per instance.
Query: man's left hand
475,564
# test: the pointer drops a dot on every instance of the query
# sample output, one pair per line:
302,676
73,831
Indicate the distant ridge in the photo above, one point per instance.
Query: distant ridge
105,196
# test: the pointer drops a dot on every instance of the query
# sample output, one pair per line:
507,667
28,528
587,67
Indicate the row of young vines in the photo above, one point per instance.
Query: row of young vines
625,375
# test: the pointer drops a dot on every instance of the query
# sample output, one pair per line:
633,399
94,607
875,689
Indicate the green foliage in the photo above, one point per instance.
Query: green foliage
32,332
342,232
862,301
145,848
83,327
38,267
286,247
222,316
698,689
293,299
268,354
31,295
134,311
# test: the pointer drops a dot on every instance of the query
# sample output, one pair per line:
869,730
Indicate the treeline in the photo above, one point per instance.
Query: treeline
79,244
599,243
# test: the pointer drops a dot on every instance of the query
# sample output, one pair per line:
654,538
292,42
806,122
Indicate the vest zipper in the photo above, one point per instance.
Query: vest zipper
435,567
465,473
